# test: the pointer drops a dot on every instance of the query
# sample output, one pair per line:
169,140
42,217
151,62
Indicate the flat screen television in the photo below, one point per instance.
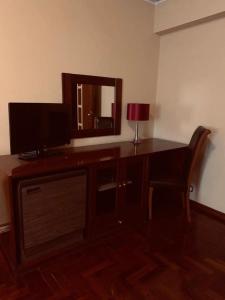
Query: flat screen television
35,127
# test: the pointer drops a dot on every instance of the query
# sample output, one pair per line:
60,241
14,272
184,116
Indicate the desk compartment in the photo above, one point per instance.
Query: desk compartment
106,189
51,208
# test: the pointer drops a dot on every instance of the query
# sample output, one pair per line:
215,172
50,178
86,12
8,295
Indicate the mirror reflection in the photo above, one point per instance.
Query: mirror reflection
95,105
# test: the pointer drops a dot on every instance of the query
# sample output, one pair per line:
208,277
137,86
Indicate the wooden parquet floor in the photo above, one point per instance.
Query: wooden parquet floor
163,260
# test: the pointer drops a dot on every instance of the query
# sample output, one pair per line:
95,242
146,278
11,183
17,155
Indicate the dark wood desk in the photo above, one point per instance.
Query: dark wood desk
114,178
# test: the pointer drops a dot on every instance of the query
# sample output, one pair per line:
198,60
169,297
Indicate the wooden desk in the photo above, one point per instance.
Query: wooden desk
115,180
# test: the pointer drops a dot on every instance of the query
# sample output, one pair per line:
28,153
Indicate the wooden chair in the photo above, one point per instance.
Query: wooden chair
182,182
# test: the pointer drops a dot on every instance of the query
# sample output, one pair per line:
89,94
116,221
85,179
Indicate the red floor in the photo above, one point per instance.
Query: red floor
166,259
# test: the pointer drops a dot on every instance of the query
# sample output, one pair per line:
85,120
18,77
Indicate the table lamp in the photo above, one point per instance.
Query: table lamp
137,112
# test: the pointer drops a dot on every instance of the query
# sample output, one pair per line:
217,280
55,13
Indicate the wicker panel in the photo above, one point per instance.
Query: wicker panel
52,208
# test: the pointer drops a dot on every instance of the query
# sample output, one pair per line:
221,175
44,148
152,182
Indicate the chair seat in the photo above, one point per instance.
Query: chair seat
176,183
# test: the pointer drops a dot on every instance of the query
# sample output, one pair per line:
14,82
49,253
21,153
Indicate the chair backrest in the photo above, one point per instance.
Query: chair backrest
196,146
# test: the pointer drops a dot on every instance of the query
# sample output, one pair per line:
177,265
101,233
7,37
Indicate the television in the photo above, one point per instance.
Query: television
35,127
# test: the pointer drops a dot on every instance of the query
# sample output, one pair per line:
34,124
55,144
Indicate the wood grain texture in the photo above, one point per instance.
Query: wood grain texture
77,157
52,209
4,228
166,259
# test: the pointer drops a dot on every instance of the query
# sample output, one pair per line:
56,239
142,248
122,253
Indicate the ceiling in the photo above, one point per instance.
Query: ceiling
155,2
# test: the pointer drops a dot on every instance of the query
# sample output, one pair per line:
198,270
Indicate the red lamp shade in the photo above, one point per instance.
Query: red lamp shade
138,112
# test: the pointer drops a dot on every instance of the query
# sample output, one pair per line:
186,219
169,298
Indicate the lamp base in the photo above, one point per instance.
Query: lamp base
136,142
136,137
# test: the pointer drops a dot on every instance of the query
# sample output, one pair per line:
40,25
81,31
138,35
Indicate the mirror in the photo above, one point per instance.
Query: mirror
95,103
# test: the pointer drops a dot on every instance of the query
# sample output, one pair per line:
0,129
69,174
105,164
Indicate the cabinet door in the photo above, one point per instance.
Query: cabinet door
133,194
52,212
105,195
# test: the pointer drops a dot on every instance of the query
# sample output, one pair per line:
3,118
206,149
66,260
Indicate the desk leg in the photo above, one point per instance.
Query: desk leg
150,195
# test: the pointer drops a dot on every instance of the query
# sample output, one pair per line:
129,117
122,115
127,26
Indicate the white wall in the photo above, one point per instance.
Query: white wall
40,39
173,13
191,92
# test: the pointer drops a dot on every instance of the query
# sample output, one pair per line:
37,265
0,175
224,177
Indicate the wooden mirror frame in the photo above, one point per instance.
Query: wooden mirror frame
69,81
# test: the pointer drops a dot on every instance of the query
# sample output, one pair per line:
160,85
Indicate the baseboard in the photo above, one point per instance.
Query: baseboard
4,228
208,211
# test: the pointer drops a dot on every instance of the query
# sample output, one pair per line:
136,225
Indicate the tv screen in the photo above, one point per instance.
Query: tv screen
38,126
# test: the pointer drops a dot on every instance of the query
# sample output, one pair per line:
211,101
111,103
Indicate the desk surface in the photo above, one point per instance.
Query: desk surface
74,157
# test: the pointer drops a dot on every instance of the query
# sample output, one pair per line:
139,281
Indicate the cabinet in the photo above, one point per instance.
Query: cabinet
118,195
106,179
64,200
51,212
133,192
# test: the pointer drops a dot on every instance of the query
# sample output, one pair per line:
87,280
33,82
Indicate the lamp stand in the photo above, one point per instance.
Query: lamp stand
136,137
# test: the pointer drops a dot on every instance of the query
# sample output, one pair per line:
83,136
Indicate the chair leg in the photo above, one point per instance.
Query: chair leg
150,194
186,205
